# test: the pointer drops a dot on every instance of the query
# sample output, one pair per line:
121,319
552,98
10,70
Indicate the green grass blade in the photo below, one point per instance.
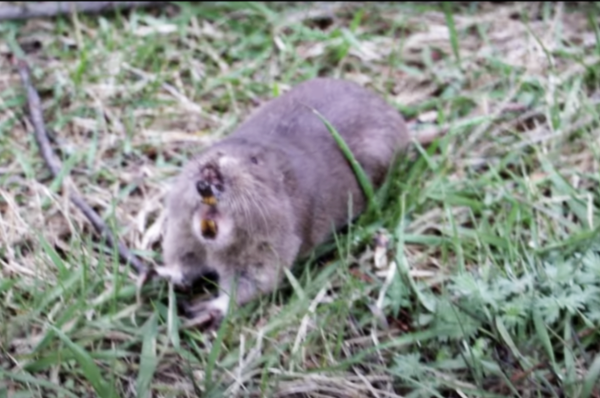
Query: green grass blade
448,13
58,262
591,379
91,371
26,378
173,319
148,358
66,168
363,180
217,344
506,336
295,284
543,336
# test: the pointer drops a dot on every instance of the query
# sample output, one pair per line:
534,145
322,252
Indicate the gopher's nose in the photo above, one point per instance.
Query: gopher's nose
204,189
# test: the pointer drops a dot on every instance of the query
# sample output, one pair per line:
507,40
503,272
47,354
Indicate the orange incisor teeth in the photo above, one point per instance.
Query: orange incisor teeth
208,228
209,200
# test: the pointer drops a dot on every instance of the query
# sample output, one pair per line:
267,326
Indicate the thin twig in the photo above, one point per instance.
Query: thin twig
427,135
55,165
52,9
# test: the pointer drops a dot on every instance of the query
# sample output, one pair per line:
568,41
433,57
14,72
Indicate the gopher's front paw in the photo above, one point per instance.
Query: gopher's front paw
208,313
173,275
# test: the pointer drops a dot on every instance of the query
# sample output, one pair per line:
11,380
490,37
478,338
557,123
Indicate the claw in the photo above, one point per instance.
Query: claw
173,275
204,319
142,279
207,313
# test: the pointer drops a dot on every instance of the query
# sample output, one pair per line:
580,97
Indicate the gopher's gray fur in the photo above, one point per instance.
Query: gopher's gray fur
281,184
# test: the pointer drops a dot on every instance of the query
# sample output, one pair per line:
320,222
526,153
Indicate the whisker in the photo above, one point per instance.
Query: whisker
246,211
260,203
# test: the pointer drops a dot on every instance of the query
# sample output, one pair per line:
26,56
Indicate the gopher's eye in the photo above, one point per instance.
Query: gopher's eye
254,159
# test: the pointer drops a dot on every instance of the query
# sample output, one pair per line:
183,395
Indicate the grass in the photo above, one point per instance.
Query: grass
490,284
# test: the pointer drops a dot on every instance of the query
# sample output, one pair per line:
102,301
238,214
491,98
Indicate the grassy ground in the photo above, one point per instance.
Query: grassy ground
490,285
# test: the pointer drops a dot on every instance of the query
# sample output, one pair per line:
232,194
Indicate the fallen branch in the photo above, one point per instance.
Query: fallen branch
55,165
52,9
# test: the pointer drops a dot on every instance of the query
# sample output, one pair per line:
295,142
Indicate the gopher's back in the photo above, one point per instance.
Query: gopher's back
320,178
